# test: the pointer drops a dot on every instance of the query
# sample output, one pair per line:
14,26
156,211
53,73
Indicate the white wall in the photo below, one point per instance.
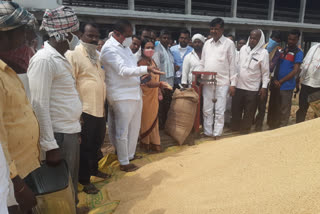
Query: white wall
39,4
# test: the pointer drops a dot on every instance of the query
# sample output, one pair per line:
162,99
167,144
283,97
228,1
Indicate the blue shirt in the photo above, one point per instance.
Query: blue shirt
178,60
287,63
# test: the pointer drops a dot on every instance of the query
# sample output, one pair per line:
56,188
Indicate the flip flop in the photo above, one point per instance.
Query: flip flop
102,175
129,167
90,189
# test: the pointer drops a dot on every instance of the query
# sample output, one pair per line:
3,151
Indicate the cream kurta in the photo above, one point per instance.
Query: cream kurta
90,81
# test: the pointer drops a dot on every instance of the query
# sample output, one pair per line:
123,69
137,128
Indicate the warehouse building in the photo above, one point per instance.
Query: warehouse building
240,15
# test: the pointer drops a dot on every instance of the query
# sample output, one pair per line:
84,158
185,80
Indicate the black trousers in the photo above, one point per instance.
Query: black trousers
303,102
92,137
164,106
261,107
244,105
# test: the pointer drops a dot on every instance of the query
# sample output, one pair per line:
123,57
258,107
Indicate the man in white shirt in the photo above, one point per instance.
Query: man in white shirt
145,34
310,75
179,52
54,97
253,69
164,60
218,55
192,60
136,46
123,92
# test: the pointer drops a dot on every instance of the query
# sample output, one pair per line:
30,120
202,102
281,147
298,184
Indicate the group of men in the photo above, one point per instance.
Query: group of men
70,79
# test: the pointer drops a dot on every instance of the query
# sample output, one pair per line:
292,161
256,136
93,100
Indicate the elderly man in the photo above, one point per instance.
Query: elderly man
19,129
310,75
90,84
218,55
192,60
179,52
253,70
123,93
54,97
164,60
274,55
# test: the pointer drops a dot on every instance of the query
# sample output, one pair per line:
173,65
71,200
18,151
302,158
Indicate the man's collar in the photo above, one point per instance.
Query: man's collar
115,42
51,49
3,65
221,40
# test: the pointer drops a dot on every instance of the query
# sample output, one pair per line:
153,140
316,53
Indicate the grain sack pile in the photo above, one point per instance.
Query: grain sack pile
269,172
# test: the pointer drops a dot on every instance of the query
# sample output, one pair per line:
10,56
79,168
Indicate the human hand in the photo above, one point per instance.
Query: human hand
165,85
263,93
53,157
232,91
155,70
160,96
23,194
276,83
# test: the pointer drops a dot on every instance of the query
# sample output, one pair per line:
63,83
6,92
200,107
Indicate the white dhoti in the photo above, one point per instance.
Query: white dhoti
208,111
124,120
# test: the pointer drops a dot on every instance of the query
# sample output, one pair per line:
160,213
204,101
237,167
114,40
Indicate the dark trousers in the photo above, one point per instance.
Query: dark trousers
261,107
303,102
92,137
244,105
164,106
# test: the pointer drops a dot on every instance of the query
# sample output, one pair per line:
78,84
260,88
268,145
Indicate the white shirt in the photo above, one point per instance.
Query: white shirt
258,71
25,82
182,51
54,97
312,75
220,57
122,72
191,63
7,198
138,54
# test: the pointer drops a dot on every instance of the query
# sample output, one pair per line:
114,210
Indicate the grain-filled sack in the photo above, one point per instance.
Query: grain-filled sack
182,113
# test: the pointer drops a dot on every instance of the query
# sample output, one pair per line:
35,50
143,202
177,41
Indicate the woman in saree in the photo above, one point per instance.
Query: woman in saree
150,85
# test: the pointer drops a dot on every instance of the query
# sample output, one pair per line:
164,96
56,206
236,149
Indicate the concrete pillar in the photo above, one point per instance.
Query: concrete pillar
302,10
189,28
268,35
234,5
188,7
301,39
133,28
271,9
131,4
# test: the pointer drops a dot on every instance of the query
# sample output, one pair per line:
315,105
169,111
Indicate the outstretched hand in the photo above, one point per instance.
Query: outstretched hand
165,85
155,70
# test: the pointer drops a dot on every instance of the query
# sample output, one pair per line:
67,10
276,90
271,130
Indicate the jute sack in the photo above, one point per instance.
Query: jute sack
182,113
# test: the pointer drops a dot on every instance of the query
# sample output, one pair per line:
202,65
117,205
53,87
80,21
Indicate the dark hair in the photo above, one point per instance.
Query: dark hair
136,37
242,38
165,32
121,25
230,35
144,42
145,29
276,34
295,32
217,21
84,24
185,31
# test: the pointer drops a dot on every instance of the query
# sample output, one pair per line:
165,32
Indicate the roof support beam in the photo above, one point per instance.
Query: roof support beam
234,5
271,10
302,10
188,7
131,4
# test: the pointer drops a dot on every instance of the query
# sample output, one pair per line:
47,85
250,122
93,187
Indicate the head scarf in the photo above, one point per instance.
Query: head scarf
198,36
271,45
253,51
59,22
13,16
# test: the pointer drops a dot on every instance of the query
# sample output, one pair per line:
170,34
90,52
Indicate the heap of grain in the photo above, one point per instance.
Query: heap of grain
270,172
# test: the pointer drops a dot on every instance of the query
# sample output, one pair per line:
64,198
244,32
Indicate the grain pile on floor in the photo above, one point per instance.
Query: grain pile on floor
269,172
